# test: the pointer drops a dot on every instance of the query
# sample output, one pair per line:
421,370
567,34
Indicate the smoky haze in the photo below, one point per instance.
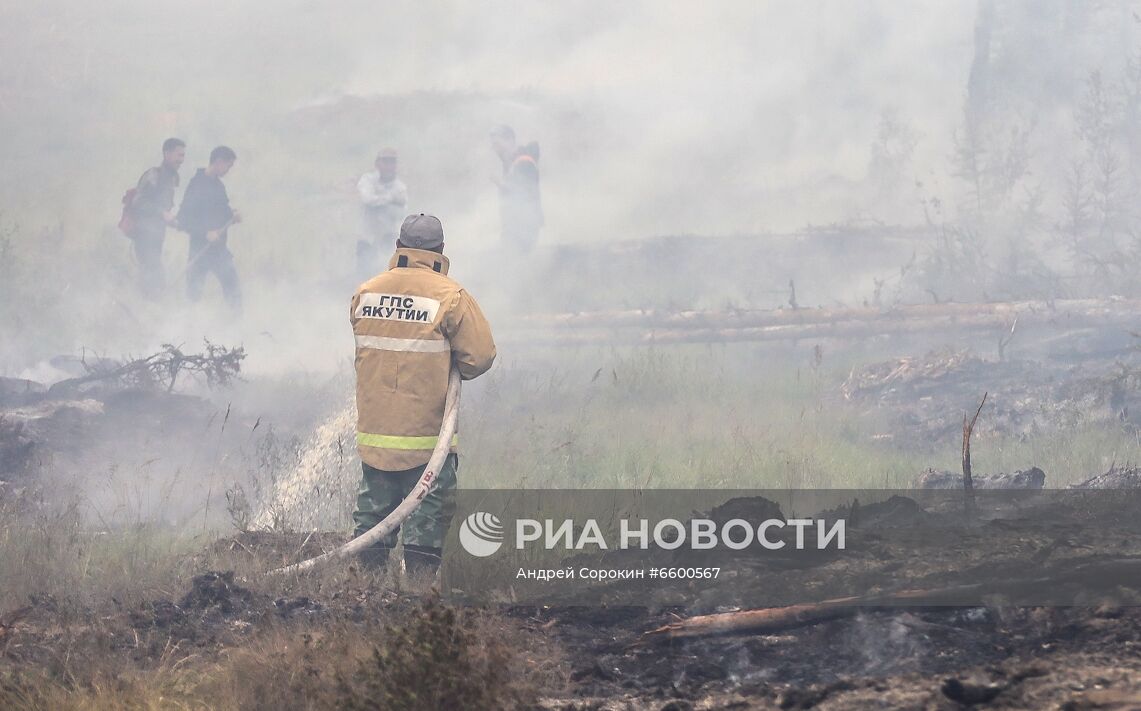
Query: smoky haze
654,119
719,156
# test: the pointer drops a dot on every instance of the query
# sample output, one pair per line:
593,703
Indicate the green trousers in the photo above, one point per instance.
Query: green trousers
381,492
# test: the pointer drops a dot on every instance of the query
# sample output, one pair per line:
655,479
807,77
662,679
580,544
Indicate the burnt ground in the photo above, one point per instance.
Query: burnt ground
993,656
1020,658
1073,658
579,658
923,398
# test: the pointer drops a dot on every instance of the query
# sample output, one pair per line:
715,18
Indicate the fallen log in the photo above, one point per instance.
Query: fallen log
777,619
1100,575
843,327
1000,312
762,621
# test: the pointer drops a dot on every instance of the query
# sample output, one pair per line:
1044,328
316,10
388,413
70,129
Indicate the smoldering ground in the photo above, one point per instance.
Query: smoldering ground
717,159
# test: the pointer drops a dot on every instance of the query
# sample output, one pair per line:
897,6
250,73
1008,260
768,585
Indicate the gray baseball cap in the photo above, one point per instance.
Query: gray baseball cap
422,232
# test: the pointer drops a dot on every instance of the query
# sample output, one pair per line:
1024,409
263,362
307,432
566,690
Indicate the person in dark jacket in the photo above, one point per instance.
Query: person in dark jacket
206,216
151,210
520,207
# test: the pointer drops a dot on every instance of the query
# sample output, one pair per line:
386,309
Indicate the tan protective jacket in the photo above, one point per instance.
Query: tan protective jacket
411,324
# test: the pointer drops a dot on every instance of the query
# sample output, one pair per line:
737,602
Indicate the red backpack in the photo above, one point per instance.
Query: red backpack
127,219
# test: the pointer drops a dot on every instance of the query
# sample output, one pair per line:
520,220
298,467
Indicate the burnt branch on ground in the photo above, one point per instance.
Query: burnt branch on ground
218,365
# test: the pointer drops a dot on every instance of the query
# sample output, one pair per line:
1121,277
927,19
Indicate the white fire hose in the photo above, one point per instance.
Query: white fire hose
415,497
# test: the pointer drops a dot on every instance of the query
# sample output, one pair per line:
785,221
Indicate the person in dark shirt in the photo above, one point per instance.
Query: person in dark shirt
520,207
206,216
151,209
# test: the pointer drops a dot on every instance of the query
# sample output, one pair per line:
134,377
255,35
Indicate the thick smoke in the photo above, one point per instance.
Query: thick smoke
735,118
705,121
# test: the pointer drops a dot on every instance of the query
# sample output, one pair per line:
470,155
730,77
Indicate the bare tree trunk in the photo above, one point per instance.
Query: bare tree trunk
968,479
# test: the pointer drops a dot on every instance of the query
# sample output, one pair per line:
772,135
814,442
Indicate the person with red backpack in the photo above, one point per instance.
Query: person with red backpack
148,209
520,207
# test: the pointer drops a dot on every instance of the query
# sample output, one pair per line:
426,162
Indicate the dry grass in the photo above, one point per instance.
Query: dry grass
387,653
686,418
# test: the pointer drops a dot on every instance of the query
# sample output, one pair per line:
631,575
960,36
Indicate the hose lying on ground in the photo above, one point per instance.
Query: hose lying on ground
415,497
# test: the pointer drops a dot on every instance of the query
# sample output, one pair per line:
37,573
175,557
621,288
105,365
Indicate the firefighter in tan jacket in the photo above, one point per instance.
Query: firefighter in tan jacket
412,324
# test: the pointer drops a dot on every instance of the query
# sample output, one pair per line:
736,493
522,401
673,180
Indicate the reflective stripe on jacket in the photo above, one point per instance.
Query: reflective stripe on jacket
411,324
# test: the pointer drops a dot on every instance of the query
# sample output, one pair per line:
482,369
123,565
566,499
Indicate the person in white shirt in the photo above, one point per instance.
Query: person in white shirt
384,198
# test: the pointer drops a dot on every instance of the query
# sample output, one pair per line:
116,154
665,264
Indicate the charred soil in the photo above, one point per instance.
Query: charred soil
360,636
